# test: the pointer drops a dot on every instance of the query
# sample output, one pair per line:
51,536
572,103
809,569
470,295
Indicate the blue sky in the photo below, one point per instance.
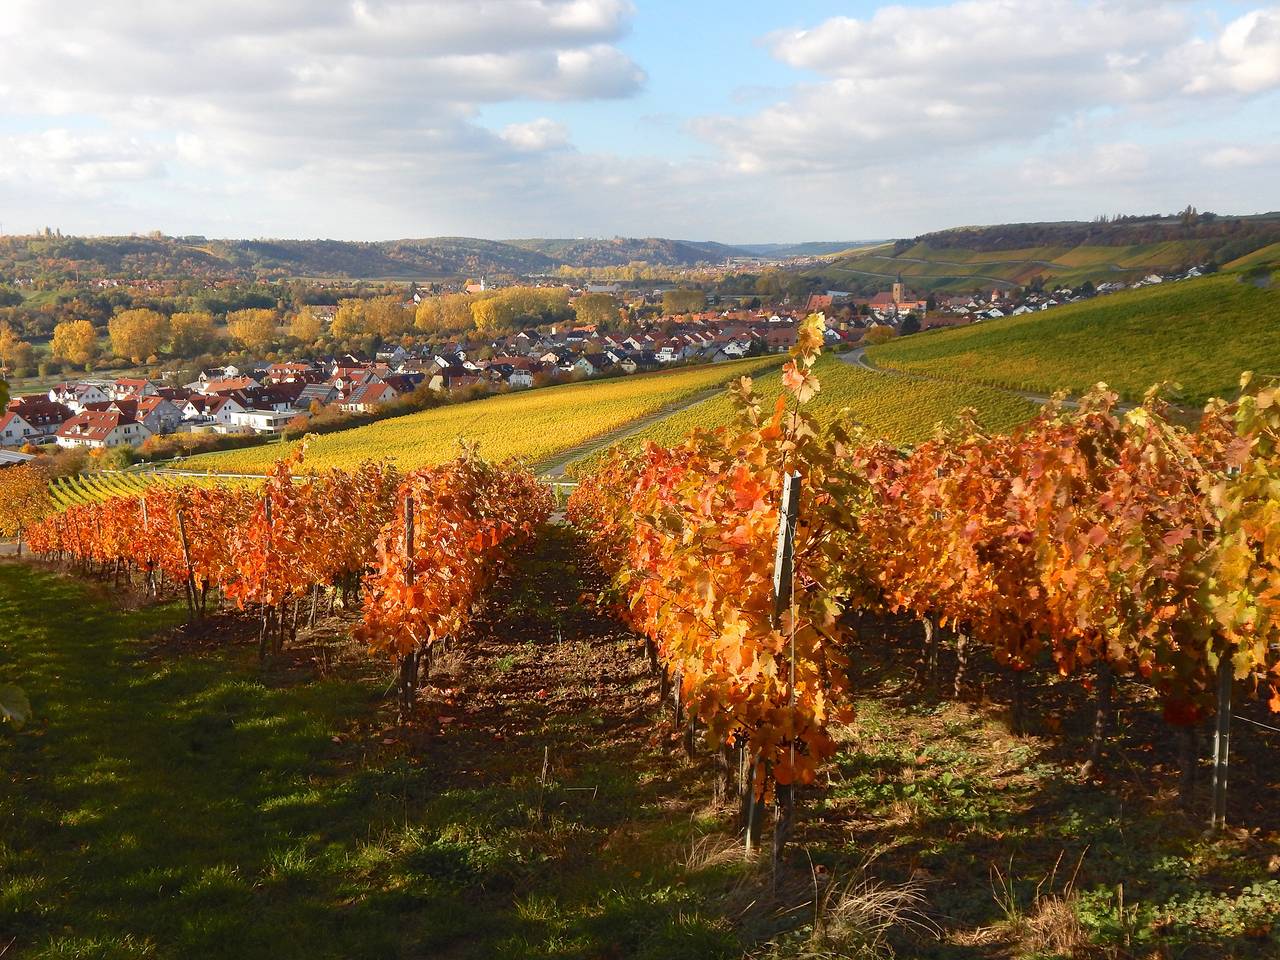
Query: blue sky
746,121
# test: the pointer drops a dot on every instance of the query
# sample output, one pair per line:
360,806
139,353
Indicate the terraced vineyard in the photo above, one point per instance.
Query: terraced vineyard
95,487
1197,333
902,409
531,426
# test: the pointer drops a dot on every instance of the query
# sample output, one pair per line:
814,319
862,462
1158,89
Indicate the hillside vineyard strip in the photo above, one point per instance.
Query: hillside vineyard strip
87,488
901,410
1200,334
531,426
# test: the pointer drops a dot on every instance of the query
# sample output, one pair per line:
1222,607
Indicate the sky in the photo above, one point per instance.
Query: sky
739,121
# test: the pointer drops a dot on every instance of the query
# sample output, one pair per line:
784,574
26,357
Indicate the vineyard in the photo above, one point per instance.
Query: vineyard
86,488
1198,334
946,657
901,410
532,426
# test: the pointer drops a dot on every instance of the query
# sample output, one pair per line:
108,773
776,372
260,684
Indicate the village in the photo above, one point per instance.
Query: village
263,399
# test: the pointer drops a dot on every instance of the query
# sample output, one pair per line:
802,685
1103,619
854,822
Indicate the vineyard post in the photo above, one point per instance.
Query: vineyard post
146,533
1222,743
186,556
783,582
409,662
266,573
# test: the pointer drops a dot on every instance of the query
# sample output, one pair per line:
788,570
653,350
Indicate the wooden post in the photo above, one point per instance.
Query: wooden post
783,577
408,662
186,556
1222,743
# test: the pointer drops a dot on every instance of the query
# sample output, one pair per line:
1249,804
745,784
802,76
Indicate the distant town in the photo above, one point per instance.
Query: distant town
257,400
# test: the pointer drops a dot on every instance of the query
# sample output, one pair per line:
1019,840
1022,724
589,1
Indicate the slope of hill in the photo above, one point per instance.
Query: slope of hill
1070,253
531,425
620,251
1197,333
903,410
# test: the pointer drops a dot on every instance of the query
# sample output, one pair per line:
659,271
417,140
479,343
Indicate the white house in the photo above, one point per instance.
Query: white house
101,429
262,421
14,430
78,396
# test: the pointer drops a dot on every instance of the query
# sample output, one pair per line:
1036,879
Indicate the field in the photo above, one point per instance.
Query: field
93,487
1199,334
531,426
901,409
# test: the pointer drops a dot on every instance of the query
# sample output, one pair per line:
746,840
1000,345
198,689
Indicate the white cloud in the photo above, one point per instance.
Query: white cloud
1236,157
264,82
536,135
983,72
1103,166
78,164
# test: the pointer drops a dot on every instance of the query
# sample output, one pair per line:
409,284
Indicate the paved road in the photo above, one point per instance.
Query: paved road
554,468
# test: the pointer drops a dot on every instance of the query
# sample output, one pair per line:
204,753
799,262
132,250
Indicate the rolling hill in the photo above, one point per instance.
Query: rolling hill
1200,334
1067,253
904,410
161,257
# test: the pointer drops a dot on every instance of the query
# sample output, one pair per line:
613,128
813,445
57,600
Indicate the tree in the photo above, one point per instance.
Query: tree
597,309
137,334
683,301
910,324
305,326
386,317
15,353
24,494
256,329
878,333
75,341
349,321
191,334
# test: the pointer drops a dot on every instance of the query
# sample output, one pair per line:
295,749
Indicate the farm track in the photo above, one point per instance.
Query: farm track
554,468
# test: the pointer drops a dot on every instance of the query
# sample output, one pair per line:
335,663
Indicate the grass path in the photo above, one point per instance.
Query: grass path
185,803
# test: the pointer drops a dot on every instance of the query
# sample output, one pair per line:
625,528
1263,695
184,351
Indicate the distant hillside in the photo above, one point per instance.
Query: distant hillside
156,257
1200,334
817,248
620,251
1071,252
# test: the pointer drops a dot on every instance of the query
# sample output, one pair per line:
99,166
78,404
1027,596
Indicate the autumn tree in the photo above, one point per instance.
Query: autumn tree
349,320
597,309
191,334
387,317
75,341
24,495
450,313
15,353
878,333
138,334
683,301
255,329
305,326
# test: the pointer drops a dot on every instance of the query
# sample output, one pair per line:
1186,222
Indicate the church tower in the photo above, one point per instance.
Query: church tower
897,290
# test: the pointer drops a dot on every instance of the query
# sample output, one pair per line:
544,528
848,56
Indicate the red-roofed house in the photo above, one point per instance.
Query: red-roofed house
14,430
367,398
101,429
128,388
44,416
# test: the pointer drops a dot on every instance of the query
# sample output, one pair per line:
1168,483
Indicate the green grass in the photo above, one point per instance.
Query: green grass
901,409
532,425
1200,334
185,802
